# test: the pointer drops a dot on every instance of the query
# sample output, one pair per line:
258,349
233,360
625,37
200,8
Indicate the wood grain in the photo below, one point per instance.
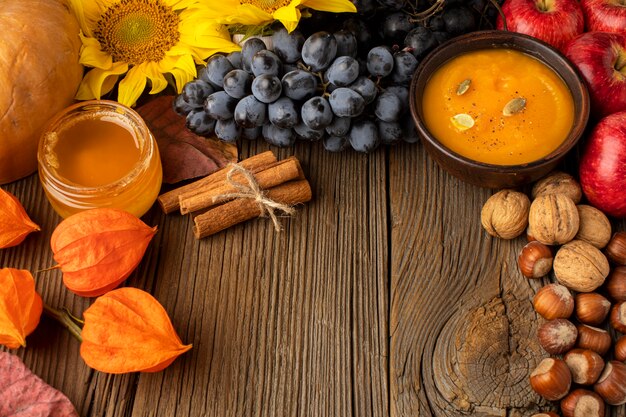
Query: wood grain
382,297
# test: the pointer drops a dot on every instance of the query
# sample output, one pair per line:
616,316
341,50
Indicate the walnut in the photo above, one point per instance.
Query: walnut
594,227
505,214
580,266
553,219
558,183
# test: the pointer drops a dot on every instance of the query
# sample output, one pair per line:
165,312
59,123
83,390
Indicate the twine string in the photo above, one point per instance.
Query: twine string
253,191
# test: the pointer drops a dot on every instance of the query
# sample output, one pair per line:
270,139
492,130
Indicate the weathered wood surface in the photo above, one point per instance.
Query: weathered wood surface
383,297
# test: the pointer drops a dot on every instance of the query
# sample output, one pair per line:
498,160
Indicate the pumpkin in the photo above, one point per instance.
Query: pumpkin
39,76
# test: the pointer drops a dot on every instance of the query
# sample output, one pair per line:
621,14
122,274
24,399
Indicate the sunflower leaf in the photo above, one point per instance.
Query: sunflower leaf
184,155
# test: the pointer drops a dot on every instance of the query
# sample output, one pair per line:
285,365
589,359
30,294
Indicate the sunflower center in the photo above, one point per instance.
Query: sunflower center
136,31
268,6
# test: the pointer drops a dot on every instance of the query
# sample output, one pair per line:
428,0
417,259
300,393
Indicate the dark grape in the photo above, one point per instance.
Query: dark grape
346,43
237,83
402,93
441,37
409,132
421,41
459,20
200,123
404,67
195,92
389,133
227,130
235,59
277,136
340,126
181,106
306,133
316,113
299,84
250,47
360,31
266,88
217,67
283,113
380,61
250,112
346,102
366,88
250,133
396,26
363,136
266,62
335,143
364,6
220,105
319,50
436,23
392,4
343,71
388,107
287,45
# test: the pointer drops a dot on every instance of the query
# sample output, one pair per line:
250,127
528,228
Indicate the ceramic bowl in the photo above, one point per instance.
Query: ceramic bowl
490,175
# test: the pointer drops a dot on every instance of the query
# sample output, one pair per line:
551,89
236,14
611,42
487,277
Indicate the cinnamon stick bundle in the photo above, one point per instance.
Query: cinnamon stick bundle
237,211
169,201
271,176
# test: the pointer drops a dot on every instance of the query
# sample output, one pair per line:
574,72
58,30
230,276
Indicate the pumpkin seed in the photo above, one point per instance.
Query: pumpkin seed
462,121
514,106
463,87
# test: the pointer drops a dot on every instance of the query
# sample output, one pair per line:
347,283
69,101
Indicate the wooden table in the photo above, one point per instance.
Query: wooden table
382,297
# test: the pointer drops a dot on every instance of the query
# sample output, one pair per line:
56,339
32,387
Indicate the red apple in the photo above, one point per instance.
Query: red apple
605,15
553,21
603,165
601,59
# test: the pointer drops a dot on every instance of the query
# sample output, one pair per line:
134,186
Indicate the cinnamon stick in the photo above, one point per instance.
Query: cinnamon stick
169,200
275,174
237,211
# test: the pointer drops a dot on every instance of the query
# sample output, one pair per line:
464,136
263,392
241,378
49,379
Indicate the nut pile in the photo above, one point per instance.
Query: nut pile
574,242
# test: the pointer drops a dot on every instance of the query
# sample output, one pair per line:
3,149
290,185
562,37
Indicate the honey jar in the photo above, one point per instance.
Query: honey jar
96,154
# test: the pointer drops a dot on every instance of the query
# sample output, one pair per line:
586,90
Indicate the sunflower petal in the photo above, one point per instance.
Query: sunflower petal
92,54
132,85
336,6
158,81
98,81
289,16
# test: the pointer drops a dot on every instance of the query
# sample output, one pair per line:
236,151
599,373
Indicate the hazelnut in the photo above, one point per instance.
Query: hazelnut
618,317
616,283
593,338
557,336
585,365
612,383
582,403
535,260
620,349
505,214
554,301
551,379
546,414
580,266
591,308
616,249
558,183
553,219
594,226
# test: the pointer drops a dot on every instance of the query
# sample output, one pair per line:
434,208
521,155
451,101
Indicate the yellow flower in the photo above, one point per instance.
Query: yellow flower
261,12
144,39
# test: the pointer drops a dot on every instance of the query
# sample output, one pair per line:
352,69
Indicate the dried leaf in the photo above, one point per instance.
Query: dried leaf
184,155
24,394
20,307
127,330
98,249
15,224
514,106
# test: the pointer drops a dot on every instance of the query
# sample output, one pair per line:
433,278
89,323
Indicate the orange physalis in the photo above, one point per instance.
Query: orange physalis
20,307
98,249
15,224
127,330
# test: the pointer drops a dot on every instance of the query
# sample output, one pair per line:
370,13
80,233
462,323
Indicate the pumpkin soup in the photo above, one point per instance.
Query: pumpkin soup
498,106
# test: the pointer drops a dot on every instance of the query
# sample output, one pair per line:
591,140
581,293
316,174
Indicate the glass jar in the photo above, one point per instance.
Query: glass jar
99,153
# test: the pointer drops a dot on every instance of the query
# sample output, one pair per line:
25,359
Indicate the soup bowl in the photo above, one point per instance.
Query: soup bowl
486,174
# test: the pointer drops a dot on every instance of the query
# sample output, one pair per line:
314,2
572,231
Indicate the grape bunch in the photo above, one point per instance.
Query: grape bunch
314,88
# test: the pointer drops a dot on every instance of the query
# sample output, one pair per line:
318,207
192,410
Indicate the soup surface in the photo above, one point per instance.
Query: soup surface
498,106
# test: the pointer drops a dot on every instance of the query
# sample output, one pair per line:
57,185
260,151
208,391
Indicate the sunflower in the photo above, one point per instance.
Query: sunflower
262,12
141,40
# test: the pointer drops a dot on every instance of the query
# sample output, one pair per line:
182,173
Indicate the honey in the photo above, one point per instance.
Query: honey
498,106
99,154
